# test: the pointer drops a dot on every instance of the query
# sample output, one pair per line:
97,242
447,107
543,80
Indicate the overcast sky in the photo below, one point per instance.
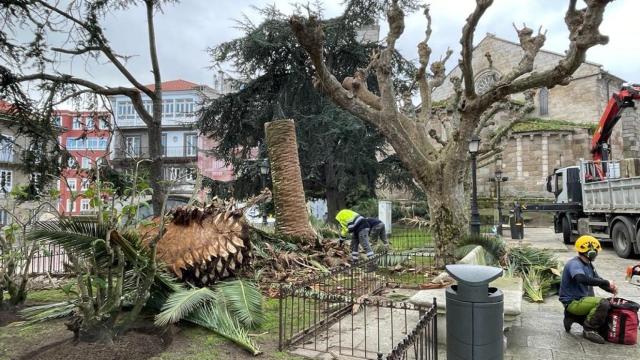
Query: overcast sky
185,30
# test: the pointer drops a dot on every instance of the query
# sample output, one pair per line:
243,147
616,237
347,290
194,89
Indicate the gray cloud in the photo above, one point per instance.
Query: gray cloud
185,30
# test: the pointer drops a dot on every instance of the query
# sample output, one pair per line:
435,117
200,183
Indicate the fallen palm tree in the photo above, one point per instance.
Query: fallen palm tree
202,245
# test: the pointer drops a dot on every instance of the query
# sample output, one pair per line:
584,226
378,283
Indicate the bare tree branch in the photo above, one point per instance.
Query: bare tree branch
584,33
152,46
424,53
401,129
395,18
78,51
434,135
96,34
467,46
68,79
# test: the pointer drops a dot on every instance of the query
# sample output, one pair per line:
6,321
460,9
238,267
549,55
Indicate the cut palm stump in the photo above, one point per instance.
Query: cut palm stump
204,245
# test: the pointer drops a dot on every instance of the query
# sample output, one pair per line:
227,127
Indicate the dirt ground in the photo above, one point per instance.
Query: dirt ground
133,346
7,317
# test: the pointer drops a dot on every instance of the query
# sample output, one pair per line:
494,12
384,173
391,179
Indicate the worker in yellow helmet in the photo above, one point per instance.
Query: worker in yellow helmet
576,290
360,226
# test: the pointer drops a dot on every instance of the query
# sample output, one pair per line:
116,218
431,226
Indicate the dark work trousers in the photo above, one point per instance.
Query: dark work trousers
379,232
361,238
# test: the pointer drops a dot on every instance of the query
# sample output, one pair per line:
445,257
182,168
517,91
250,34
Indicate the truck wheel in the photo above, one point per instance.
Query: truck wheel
566,230
622,241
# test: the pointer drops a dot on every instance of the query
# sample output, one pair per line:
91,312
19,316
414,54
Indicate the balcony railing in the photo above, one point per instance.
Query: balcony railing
170,152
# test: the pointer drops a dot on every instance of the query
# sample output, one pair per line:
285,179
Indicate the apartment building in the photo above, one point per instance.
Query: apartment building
182,145
11,147
86,136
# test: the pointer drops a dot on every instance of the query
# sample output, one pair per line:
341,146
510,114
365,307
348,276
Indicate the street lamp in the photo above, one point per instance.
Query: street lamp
474,226
264,171
498,178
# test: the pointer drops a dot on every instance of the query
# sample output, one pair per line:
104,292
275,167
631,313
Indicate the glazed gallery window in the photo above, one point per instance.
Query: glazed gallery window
77,124
6,180
543,100
191,144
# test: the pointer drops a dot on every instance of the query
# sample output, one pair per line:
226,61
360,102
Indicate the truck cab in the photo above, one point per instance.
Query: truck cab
565,185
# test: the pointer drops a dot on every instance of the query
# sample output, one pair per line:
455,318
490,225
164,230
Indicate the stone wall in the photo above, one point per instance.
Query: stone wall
581,101
528,158
630,133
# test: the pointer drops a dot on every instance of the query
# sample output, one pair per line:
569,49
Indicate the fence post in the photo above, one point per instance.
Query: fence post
280,318
434,339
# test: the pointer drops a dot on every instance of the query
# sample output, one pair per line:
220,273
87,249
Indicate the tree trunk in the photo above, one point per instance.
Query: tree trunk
448,200
335,197
93,331
292,218
155,153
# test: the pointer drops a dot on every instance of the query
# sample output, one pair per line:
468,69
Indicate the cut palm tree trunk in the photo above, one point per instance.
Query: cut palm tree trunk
292,219
204,245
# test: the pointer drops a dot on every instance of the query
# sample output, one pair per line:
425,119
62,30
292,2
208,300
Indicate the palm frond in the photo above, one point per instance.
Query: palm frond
182,302
244,301
78,237
495,248
219,320
47,312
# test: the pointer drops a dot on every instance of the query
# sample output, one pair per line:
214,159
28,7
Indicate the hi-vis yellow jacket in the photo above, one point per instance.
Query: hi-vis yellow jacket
349,220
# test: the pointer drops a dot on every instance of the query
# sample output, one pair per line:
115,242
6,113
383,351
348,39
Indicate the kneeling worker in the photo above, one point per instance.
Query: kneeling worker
576,289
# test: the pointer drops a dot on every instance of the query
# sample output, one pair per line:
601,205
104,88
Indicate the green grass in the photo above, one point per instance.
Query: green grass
46,295
410,238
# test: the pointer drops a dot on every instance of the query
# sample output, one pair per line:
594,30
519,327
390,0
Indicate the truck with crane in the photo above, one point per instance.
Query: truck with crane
600,197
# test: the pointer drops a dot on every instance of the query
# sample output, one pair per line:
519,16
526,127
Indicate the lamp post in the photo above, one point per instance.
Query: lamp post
474,226
498,178
264,171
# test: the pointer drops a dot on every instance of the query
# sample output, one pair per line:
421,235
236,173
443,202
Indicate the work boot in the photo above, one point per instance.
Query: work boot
593,336
567,322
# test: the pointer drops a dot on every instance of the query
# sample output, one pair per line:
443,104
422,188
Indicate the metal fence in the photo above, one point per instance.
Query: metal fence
421,343
342,312
406,238
50,258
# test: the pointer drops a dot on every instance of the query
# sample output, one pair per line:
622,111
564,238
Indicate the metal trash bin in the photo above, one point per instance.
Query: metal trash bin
517,231
475,317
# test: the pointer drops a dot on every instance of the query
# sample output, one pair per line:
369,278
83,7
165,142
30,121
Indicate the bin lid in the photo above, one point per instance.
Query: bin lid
473,275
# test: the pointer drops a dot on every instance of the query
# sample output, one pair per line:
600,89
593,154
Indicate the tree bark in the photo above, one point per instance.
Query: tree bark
335,197
155,152
292,218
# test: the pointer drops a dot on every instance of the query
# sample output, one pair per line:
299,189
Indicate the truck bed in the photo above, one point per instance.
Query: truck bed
621,195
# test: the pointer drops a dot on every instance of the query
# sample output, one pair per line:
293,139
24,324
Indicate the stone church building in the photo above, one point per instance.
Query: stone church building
558,131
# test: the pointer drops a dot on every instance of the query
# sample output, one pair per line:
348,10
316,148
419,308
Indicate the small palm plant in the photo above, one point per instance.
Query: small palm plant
112,271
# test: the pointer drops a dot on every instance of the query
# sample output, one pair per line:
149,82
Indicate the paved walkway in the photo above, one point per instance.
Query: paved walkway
539,333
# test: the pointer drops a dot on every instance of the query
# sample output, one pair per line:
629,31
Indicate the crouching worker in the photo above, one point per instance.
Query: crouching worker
360,227
576,290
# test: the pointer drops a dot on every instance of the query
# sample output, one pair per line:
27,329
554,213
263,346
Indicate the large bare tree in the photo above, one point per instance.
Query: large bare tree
433,141
31,57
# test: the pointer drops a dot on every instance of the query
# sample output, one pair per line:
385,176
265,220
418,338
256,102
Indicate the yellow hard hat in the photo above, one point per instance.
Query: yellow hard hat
586,243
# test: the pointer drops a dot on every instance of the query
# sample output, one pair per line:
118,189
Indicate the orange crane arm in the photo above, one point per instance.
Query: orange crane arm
618,101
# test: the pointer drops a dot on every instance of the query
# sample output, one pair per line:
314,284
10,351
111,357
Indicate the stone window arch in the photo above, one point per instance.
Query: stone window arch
543,101
485,80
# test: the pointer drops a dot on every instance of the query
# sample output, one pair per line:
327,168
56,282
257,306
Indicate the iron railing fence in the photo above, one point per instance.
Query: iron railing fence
342,311
408,238
422,342
50,258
